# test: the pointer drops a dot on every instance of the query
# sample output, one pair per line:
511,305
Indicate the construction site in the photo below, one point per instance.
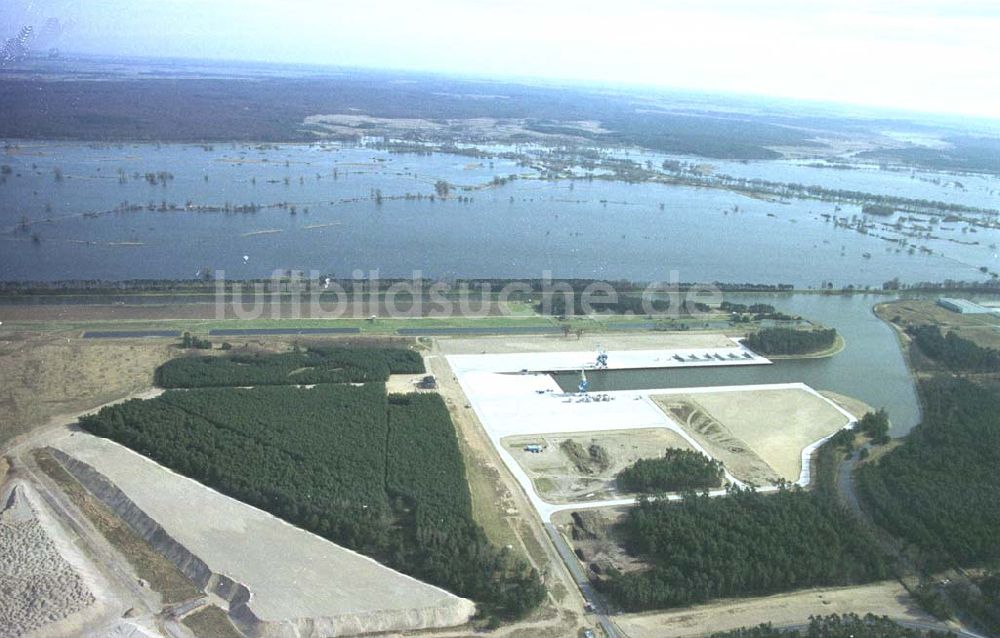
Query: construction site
764,434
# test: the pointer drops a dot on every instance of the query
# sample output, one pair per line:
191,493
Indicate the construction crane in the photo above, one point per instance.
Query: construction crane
602,358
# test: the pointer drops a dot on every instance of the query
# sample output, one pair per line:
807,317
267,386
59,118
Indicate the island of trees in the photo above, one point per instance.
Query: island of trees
676,471
789,341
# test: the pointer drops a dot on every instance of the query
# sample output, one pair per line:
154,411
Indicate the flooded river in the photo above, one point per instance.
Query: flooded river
338,209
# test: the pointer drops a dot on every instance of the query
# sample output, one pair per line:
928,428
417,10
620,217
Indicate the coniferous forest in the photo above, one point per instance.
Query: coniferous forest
954,352
744,544
379,474
939,489
305,367
677,470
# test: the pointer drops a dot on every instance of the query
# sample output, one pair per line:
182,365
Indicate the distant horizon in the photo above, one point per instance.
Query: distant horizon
925,56
835,108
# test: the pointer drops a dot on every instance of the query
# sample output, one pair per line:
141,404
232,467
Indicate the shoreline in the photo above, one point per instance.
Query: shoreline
838,346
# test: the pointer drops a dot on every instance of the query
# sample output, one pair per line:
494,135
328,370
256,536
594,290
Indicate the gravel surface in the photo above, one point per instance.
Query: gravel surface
37,586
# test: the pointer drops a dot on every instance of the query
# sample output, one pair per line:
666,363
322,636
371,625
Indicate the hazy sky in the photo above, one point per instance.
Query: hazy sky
925,55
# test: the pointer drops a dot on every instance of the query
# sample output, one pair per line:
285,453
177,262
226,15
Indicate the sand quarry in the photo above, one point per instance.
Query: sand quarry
309,588
763,434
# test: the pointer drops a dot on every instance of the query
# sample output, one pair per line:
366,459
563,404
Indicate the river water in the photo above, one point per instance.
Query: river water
54,227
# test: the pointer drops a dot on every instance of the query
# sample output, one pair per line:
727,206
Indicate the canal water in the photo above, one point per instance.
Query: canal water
870,368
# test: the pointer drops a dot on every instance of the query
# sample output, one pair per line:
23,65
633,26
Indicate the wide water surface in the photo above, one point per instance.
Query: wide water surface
63,229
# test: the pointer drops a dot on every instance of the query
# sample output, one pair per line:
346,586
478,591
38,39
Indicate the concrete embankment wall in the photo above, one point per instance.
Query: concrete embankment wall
240,597
190,565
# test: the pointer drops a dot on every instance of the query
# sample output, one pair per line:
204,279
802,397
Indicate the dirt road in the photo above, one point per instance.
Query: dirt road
520,519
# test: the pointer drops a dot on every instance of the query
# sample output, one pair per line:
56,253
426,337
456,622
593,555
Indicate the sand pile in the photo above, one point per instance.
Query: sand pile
37,585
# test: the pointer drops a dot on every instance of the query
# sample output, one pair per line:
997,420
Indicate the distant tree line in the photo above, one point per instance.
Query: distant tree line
556,304
788,341
535,286
822,193
963,153
676,471
53,289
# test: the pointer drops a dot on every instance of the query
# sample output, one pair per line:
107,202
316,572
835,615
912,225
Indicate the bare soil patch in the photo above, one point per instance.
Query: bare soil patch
758,434
38,586
741,461
559,476
592,534
882,599
42,376
856,407
403,383
211,622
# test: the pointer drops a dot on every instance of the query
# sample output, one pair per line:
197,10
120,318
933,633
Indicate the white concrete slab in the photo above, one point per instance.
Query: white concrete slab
737,354
532,403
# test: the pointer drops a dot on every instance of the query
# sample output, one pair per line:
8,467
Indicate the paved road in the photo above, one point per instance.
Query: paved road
590,595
